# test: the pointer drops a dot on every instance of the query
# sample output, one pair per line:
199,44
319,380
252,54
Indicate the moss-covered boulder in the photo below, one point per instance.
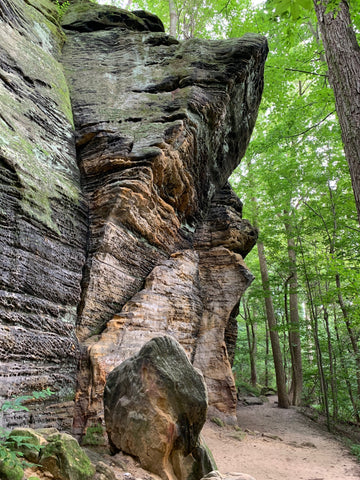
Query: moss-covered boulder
64,458
27,441
10,468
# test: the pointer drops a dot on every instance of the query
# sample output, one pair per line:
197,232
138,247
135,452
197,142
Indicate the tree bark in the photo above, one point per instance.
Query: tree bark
252,343
173,18
274,337
294,328
343,58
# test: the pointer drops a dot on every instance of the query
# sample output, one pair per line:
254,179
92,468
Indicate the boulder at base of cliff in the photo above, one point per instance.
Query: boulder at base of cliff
64,459
155,407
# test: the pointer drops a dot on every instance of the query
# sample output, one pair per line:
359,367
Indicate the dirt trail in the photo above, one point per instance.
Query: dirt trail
279,445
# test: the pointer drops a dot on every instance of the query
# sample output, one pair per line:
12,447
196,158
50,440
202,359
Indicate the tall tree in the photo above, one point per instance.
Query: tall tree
274,336
251,328
342,53
294,328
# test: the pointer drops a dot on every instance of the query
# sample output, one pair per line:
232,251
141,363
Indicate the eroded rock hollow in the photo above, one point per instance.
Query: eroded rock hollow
117,222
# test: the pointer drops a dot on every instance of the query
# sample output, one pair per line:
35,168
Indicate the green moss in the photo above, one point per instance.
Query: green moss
238,435
218,421
64,458
26,441
94,436
42,161
63,93
11,469
39,178
46,16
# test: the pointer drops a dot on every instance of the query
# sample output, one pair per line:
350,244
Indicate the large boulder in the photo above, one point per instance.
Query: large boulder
155,407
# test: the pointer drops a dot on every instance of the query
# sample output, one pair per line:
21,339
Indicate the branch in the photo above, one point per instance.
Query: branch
304,71
352,228
322,219
224,7
312,126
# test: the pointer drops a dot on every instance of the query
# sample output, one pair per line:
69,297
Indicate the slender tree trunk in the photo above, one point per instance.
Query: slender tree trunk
343,59
173,18
251,338
345,369
274,337
294,330
315,331
332,366
353,337
266,355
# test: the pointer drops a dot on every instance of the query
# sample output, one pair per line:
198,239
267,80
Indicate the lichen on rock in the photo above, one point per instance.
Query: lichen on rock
42,211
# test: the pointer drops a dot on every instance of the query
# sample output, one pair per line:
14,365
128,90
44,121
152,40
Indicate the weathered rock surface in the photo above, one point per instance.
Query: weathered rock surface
64,459
115,212
155,148
155,407
42,215
58,454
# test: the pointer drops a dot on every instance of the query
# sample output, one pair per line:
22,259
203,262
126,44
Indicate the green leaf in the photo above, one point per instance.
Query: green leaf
306,4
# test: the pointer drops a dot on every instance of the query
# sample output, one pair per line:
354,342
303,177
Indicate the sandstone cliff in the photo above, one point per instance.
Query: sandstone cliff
117,223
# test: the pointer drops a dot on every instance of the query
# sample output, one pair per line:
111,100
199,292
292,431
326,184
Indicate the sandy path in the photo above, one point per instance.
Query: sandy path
302,451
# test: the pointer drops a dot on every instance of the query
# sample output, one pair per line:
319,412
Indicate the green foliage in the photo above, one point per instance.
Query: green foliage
295,168
94,436
62,7
245,388
355,450
218,421
11,446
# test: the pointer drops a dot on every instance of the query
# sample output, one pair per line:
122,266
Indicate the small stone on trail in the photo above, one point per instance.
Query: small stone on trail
216,475
271,436
252,401
308,444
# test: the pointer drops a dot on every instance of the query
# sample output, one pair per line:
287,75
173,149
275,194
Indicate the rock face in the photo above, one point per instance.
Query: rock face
42,213
115,212
155,407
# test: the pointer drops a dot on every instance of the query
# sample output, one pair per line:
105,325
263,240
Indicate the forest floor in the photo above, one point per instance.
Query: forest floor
276,444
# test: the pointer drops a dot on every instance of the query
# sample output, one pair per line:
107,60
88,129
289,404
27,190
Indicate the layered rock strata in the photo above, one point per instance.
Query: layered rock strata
156,146
42,214
118,206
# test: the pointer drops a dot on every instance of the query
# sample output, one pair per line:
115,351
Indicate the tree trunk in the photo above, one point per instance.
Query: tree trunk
352,335
266,356
343,58
252,343
173,18
345,369
274,337
294,330
315,331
